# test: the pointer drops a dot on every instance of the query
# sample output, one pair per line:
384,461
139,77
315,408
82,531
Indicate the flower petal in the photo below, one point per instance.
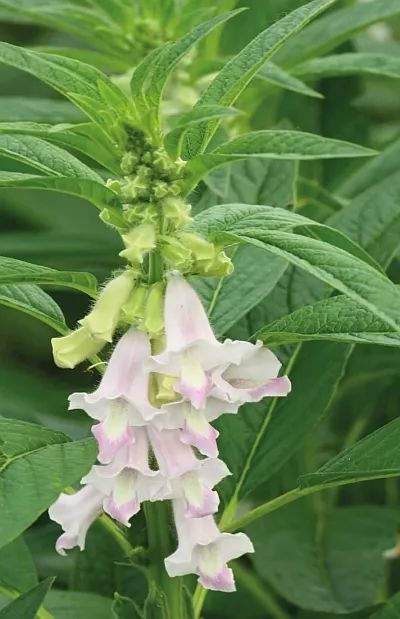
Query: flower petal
185,318
112,433
75,513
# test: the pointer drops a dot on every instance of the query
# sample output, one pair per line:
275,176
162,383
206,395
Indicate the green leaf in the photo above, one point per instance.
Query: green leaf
270,72
18,272
46,157
17,568
94,192
258,441
332,265
372,172
351,64
82,137
338,319
173,140
390,610
36,465
335,28
335,565
373,218
172,53
70,77
32,300
230,298
16,109
27,604
238,72
78,605
271,144
374,457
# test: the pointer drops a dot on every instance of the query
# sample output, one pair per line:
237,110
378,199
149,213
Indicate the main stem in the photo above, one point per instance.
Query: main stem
158,515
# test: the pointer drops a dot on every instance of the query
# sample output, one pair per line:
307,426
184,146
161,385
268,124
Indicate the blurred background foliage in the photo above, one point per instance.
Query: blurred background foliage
316,559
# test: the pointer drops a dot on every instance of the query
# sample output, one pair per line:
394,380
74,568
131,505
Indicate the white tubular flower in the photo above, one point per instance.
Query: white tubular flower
75,513
121,399
205,551
186,476
232,371
128,480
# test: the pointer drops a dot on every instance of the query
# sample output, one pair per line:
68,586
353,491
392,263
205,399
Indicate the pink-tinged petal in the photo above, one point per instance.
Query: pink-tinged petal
276,387
204,505
193,384
121,512
185,318
221,581
112,434
205,442
174,457
75,513
123,503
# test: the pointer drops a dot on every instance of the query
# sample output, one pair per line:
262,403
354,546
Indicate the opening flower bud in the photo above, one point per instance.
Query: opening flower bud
176,211
102,321
200,248
134,309
75,347
154,314
138,242
175,253
219,266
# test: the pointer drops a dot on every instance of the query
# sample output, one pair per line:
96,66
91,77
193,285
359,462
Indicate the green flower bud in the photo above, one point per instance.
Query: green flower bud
134,309
136,188
160,189
75,347
113,217
102,321
176,211
175,253
138,242
114,185
200,248
219,266
128,162
153,321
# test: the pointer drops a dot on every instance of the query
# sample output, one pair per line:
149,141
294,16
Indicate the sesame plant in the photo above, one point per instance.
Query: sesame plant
201,206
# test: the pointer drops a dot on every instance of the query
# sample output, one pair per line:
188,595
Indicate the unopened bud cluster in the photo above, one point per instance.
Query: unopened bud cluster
154,221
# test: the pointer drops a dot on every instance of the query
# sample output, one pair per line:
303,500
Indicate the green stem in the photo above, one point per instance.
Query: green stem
159,543
155,267
270,506
259,592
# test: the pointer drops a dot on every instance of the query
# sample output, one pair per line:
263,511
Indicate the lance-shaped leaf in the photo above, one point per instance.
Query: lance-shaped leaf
270,72
238,72
36,465
374,457
28,603
335,28
72,78
173,140
172,53
338,319
331,264
18,272
21,109
295,145
82,137
33,301
94,192
47,158
351,64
